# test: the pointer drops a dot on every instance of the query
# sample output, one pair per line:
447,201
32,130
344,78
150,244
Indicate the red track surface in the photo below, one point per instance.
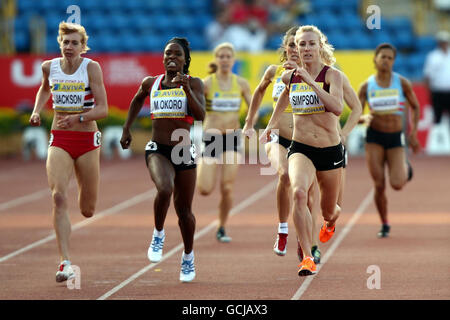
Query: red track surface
414,262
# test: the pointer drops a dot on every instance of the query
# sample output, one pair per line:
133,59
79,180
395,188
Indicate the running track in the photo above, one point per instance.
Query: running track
110,248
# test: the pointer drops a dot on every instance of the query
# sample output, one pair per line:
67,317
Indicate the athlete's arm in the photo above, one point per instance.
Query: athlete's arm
354,104
196,98
42,95
135,107
362,95
414,105
257,98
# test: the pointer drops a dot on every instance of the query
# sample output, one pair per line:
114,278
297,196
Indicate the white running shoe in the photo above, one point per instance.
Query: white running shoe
156,248
187,273
65,272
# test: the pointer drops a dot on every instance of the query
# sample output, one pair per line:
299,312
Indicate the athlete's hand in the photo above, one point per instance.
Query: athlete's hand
248,130
182,80
66,122
414,143
35,119
265,136
289,65
125,140
302,73
365,119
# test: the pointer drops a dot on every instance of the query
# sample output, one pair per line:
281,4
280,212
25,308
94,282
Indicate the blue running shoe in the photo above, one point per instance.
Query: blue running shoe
187,273
155,250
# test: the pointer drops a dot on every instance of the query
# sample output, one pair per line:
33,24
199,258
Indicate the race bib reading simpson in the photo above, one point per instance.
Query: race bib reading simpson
304,99
169,103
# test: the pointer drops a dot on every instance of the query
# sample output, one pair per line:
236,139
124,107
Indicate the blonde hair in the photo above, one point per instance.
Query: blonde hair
282,50
326,49
212,66
68,28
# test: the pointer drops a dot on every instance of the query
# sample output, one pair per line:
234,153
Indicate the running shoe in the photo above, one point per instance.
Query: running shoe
326,233
307,267
280,246
155,250
187,273
410,171
316,254
384,232
299,251
222,236
65,272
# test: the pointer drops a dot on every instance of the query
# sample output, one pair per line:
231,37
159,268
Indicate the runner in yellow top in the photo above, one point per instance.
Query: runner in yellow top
224,91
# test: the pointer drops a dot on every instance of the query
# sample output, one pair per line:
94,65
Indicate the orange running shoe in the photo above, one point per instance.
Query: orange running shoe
326,233
307,267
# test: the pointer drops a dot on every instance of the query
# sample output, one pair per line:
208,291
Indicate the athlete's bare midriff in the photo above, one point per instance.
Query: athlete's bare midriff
79,126
387,123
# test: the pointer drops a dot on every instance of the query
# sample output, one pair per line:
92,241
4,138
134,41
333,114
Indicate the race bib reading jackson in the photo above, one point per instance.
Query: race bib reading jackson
171,103
304,99
68,97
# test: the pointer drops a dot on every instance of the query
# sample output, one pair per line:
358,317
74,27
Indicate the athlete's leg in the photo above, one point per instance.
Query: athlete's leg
59,171
229,171
397,167
163,175
182,199
302,175
206,175
87,170
329,185
277,155
375,158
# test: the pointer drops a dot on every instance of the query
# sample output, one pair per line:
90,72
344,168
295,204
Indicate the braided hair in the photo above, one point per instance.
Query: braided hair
184,43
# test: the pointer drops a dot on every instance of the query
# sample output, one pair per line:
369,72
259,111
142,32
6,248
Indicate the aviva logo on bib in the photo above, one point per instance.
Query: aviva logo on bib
68,87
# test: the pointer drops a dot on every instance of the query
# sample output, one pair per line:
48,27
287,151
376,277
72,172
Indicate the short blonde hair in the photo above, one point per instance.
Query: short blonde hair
212,66
223,45
326,49
68,28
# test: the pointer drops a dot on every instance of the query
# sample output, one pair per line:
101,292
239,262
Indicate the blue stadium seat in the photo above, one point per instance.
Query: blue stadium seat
349,21
133,5
320,5
359,39
98,21
339,40
107,41
327,20
129,42
274,42
379,36
183,22
52,46
425,43
152,42
140,22
119,21
161,23
27,6
399,24
22,40
197,42
403,40
112,5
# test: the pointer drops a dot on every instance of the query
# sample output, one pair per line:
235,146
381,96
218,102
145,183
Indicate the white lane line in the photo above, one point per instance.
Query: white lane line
238,208
24,199
46,191
114,209
340,236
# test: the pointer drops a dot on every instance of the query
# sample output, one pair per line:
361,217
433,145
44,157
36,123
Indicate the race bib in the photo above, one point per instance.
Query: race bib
384,100
304,100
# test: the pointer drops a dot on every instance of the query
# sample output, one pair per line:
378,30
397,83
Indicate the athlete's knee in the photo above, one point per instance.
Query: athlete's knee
226,188
204,191
165,191
300,196
397,186
88,212
59,199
